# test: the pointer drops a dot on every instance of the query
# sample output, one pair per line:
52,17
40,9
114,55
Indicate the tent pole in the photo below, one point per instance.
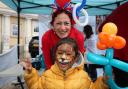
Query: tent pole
18,40
18,22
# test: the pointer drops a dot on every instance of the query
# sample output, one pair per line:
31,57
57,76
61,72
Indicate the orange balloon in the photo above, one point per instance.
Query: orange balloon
101,46
110,28
103,37
110,41
119,42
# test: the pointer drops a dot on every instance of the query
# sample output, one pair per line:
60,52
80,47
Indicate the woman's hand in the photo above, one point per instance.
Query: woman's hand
27,65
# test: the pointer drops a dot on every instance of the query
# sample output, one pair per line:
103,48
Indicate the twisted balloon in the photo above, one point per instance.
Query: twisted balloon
108,40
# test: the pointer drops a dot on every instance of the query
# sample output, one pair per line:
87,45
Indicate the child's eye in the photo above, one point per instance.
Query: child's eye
59,53
59,23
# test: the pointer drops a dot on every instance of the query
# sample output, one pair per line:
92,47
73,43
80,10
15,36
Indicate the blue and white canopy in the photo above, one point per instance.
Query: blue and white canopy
93,7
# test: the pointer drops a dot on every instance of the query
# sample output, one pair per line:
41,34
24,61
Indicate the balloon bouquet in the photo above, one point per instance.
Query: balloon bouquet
109,40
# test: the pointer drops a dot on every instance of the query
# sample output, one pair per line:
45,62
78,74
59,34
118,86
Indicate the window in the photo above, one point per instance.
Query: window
14,31
36,29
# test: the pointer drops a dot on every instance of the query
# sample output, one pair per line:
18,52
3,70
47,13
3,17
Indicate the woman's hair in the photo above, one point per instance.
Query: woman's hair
60,11
88,31
66,40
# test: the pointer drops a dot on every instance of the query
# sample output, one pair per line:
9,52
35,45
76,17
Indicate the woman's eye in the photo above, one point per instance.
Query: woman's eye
66,23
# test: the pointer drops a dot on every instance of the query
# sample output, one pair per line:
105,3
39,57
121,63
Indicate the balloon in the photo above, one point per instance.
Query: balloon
62,3
103,37
95,58
119,42
109,53
108,62
81,6
119,64
110,40
108,70
101,46
111,83
110,28
75,17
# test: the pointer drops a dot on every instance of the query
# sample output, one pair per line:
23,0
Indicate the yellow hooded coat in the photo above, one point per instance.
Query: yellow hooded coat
54,78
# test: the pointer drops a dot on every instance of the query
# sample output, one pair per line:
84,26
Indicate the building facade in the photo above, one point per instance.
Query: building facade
9,29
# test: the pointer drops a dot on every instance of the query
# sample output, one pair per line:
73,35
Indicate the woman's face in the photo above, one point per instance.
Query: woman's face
65,56
62,25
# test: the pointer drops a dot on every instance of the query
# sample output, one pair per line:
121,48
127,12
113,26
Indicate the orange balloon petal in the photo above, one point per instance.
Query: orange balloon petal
101,46
110,28
110,41
119,42
103,37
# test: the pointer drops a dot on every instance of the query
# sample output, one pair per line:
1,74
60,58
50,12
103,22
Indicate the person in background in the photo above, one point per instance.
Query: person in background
34,46
62,26
91,46
66,73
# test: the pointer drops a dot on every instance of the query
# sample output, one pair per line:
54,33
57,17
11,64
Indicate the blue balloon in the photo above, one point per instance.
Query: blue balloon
108,70
108,62
119,64
109,53
95,58
80,7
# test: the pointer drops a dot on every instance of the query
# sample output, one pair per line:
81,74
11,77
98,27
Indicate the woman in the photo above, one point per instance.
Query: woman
66,73
62,26
91,46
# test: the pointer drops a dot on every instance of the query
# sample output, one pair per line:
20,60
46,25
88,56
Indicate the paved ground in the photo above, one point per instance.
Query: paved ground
12,86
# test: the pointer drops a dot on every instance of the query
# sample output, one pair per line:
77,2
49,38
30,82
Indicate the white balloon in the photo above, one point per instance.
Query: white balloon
85,14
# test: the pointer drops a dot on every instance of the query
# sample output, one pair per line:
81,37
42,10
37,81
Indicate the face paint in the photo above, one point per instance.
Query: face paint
65,56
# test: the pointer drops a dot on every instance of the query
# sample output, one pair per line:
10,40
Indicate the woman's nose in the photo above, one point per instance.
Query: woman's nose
63,27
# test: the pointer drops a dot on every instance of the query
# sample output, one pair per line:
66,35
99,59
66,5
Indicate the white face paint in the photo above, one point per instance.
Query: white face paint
65,56
63,61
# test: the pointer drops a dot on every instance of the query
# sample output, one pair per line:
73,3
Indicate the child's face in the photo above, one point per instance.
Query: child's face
65,56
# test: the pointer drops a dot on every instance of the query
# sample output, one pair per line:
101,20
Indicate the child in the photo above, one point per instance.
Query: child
66,73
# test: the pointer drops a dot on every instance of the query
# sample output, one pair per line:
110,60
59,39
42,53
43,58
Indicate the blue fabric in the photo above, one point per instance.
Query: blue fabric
38,63
42,61
91,6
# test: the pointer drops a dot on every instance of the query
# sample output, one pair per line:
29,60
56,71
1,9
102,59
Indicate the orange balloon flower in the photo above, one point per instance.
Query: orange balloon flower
110,28
101,46
119,42
103,37
110,40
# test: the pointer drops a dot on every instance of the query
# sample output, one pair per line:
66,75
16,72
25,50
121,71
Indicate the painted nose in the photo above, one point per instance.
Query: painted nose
63,56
